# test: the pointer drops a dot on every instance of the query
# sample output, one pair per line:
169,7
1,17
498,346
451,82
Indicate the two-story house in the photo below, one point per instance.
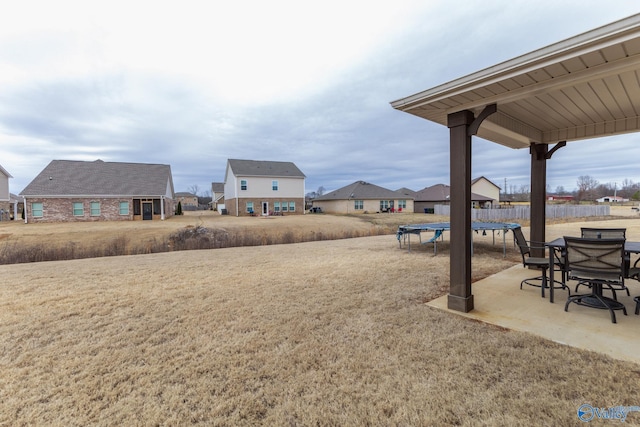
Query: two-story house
188,201
259,187
485,187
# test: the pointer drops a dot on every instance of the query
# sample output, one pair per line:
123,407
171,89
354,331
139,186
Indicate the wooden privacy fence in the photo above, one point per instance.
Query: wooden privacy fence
524,212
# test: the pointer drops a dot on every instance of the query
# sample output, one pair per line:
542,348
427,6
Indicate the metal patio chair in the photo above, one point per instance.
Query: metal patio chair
541,263
599,262
608,233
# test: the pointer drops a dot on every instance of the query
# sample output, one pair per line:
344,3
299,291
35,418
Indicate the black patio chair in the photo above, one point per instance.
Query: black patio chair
608,233
599,262
541,263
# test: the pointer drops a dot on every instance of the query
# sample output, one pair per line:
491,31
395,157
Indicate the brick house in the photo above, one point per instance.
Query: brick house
188,201
258,187
68,190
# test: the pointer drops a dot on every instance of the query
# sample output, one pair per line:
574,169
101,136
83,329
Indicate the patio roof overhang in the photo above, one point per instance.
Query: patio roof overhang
584,87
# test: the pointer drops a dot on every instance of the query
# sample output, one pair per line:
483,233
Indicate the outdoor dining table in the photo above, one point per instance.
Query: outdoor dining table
559,244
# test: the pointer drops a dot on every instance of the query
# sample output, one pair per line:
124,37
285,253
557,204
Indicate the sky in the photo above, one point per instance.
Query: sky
194,83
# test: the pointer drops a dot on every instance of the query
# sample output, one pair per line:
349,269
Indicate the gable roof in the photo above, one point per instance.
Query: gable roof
98,178
362,190
217,187
264,168
4,171
473,181
406,191
441,193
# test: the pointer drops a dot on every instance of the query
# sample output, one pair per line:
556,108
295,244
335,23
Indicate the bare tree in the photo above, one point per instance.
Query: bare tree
194,189
586,187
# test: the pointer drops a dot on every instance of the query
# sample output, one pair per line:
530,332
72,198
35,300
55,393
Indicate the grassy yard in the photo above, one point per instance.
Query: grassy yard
315,333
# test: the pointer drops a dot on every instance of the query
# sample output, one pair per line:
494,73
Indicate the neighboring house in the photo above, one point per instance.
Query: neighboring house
260,187
68,190
483,187
217,196
5,195
16,206
363,197
611,199
557,197
406,192
439,194
188,201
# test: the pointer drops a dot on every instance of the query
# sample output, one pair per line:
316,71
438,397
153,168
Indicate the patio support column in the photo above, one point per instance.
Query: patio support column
538,196
460,297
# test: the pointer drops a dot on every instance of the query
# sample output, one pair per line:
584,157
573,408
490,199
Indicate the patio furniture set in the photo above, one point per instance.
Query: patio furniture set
599,260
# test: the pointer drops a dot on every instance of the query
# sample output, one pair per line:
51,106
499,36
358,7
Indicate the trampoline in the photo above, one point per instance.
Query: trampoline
405,231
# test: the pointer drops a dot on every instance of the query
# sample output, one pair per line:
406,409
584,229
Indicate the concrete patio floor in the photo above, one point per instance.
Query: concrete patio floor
499,300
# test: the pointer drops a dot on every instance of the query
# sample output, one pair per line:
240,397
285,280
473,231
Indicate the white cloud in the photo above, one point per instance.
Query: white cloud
194,83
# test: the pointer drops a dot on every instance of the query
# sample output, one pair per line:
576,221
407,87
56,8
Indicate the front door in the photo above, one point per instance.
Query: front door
265,208
147,211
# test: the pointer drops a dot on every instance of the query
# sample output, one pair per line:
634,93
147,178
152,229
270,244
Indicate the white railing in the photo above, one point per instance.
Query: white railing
524,212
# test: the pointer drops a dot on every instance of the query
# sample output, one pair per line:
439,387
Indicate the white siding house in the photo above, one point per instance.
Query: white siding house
483,187
5,195
257,187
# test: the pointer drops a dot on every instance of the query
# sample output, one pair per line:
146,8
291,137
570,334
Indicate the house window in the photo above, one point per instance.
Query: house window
124,208
276,206
358,204
36,210
402,204
78,209
136,207
274,185
95,208
243,184
384,205
284,206
157,207
250,207
292,206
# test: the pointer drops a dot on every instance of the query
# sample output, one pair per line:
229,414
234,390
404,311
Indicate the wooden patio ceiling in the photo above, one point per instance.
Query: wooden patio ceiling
584,87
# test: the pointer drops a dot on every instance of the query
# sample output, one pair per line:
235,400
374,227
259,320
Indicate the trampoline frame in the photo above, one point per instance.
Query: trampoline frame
405,231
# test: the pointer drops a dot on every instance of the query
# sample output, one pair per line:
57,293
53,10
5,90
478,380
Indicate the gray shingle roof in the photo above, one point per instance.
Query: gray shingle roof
98,178
406,191
363,191
218,187
441,193
264,168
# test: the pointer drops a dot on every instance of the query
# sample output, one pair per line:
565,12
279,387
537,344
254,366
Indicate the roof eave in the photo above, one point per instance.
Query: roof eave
571,47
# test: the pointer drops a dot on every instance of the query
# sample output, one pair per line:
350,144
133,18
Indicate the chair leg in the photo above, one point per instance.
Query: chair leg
578,300
613,314
637,300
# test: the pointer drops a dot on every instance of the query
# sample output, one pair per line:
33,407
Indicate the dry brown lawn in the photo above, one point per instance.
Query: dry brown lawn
317,333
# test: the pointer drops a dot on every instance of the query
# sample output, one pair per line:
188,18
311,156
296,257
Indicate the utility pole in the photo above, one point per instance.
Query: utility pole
505,188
